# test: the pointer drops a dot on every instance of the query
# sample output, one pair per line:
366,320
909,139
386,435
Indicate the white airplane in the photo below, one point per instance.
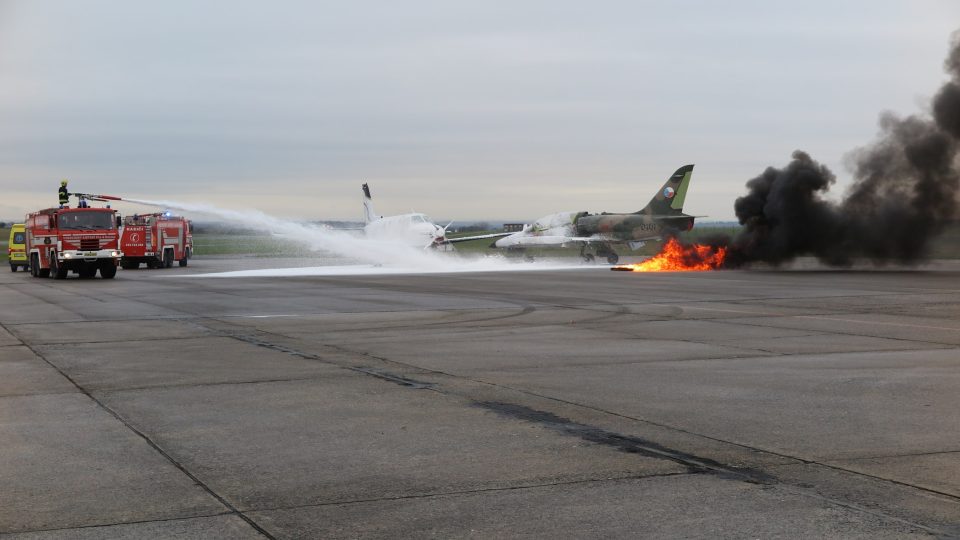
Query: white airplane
412,229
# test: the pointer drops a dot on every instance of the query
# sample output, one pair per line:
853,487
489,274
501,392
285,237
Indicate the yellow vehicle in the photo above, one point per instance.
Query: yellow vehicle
16,249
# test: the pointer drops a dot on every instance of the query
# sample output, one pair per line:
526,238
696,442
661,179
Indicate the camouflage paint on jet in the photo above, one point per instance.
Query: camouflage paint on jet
663,213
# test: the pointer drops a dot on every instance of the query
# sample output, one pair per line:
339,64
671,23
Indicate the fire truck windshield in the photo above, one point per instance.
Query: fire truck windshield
85,220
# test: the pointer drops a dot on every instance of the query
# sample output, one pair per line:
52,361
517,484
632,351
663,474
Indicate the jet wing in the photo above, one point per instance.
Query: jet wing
520,241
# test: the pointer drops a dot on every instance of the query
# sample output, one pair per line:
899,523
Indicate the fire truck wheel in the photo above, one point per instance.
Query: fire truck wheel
33,265
108,269
168,258
57,269
183,261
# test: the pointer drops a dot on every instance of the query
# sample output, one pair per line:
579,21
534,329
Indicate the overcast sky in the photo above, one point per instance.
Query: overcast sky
482,110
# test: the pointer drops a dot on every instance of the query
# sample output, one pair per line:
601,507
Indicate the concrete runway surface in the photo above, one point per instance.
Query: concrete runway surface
562,404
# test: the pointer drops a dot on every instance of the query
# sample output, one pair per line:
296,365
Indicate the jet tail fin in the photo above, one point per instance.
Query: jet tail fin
368,213
669,200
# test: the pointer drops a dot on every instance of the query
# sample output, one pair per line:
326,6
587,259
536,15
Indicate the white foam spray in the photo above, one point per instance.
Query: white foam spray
383,257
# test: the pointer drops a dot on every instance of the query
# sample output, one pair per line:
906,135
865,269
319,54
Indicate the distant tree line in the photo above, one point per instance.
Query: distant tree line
474,227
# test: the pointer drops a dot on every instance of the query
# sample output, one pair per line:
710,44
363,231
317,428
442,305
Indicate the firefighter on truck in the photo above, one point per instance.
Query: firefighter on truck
63,194
80,240
156,240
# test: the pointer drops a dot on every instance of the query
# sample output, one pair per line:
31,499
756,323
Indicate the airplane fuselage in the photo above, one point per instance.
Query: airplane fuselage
630,226
416,230
568,227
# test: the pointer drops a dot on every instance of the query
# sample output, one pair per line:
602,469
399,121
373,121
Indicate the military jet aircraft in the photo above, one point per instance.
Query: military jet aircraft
412,229
600,232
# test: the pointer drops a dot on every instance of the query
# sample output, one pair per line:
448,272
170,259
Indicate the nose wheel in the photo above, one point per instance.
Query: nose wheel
585,255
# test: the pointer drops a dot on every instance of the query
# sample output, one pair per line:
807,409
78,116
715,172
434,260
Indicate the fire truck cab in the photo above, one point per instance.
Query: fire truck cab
156,239
79,240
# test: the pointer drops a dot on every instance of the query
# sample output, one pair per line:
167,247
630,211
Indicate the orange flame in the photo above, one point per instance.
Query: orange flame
676,257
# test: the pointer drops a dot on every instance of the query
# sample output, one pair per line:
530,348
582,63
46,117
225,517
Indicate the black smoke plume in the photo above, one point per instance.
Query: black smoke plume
904,193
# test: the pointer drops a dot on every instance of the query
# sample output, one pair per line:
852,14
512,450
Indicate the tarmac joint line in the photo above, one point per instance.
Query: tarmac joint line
232,510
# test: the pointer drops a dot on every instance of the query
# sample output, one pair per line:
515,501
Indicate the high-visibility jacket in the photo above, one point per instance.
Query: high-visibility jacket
64,195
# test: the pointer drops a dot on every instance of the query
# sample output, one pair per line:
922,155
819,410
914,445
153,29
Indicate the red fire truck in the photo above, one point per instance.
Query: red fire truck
156,239
79,240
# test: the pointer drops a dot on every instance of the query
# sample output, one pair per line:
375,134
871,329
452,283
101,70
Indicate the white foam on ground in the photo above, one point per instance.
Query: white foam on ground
377,270
382,257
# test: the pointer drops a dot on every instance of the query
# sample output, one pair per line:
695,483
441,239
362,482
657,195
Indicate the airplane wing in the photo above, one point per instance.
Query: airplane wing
476,237
639,242
521,241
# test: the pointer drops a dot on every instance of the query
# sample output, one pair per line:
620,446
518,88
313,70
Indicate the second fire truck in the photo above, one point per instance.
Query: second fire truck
156,240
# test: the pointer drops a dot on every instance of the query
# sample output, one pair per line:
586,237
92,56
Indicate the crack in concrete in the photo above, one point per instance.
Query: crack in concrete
894,456
118,523
438,494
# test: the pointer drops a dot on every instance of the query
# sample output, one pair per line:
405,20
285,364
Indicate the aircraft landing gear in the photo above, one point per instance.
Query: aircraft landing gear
605,250
587,257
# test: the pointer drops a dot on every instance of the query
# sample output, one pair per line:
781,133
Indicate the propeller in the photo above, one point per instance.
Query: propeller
441,236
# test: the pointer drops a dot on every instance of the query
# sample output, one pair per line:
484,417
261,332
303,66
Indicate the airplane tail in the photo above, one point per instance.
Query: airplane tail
368,213
669,200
